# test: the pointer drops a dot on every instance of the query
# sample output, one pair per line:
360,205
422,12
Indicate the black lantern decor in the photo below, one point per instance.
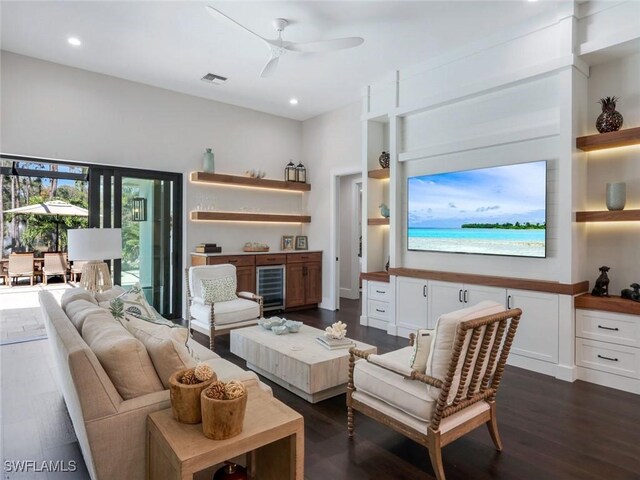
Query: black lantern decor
290,172
139,209
301,173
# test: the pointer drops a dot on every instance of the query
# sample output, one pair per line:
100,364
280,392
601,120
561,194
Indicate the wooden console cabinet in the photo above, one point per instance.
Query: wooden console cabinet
303,286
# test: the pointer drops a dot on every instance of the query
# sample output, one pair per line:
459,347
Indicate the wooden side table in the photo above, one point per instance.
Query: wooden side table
272,436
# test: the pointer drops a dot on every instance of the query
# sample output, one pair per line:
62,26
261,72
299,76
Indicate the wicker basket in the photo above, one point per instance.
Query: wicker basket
222,419
255,249
185,399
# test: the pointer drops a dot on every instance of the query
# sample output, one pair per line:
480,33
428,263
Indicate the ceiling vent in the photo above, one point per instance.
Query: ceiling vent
213,78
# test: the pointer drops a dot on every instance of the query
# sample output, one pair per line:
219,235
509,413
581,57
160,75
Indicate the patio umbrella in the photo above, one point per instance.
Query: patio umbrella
54,208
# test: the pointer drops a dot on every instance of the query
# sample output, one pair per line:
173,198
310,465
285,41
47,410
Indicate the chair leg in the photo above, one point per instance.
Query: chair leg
212,340
350,421
492,425
435,454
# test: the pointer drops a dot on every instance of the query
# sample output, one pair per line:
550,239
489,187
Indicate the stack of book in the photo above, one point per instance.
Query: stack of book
208,248
334,343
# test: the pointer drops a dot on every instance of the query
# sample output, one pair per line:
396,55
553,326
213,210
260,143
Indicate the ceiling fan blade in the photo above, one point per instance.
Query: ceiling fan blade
270,67
325,45
218,14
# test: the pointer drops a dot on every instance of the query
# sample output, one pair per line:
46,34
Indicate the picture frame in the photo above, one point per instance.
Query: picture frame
287,242
302,242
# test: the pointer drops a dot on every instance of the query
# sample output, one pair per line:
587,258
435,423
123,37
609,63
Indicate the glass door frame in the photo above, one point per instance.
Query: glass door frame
113,219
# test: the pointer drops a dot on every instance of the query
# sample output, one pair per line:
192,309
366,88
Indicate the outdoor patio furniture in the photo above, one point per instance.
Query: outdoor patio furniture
20,265
54,264
76,270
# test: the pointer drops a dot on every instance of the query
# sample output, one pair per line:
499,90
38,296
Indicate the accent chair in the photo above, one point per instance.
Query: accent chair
55,264
20,265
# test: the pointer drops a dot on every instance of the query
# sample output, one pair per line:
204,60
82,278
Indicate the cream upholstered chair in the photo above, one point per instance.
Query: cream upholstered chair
20,265
457,392
54,264
76,269
220,317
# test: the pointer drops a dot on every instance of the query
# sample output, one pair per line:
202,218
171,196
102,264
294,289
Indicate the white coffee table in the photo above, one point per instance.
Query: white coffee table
295,361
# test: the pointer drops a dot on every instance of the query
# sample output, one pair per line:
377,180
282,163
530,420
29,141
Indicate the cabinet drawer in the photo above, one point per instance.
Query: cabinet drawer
608,327
608,357
304,257
379,291
378,310
237,260
275,259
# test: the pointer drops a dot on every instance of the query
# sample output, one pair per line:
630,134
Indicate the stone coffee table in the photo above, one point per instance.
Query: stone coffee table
295,361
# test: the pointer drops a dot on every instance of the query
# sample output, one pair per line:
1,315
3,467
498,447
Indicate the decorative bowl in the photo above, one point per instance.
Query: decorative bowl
269,323
280,329
293,326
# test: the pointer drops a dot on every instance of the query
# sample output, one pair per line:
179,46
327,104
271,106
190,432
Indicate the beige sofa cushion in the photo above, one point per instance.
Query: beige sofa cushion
124,358
80,308
226,313
409,396
165,345
444,338
73,294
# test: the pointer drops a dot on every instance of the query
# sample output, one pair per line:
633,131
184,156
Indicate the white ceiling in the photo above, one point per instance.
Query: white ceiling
173,44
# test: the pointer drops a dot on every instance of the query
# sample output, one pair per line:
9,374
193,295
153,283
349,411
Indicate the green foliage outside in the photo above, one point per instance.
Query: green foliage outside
130,231
507,226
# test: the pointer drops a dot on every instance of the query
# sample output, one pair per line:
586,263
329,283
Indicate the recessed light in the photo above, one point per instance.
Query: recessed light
75,41
293,101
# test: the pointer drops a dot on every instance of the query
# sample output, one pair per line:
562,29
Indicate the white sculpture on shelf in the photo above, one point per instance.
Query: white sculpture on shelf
337,331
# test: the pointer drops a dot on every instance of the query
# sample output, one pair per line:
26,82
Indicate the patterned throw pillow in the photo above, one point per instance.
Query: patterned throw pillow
421,348
221,289
133,302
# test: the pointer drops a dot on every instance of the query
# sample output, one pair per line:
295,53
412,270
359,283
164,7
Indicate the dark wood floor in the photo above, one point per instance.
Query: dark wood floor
551,429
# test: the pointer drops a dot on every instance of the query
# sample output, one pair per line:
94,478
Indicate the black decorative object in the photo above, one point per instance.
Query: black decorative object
601,288
290,172
386,265
610,120
139,209
384,159
632,294
301,173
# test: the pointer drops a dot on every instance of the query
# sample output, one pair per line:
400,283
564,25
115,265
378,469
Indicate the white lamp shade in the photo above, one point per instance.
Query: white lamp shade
94,243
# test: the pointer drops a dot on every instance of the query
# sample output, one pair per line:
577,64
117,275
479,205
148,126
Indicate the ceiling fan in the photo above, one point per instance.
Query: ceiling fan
279,47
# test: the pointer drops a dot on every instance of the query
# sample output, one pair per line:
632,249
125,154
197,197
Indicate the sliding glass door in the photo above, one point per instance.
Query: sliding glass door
148,207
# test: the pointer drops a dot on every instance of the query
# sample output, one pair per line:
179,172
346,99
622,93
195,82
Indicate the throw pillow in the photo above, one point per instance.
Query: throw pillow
110,294
221,289
133,302
421,349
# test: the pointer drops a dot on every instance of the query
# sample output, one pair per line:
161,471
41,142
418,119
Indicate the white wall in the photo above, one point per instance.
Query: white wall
50,110
331,142
614,244
349,234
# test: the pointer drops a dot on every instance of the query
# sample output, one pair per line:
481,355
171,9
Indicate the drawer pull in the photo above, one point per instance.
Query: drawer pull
615,329
381,311
380,291
607,358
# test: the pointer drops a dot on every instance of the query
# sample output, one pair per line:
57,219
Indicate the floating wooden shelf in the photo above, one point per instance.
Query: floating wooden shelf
380,173
600,141
250,217
375,276
378,221
609,216
614,304
223,179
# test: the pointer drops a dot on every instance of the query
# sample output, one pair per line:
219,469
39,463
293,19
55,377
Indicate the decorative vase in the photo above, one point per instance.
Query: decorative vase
610,120
222,419
185,399
616,195
384,159
208,161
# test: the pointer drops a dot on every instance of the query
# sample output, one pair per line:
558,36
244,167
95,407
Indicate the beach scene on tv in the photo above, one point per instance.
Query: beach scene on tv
496,211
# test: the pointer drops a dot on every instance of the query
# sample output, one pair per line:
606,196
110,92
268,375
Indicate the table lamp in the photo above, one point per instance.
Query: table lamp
95,245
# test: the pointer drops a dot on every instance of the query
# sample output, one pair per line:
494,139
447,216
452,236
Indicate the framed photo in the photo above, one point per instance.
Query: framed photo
287,242
301,242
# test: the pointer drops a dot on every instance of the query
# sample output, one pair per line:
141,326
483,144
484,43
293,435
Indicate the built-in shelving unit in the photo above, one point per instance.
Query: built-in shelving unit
380,173
613,303
250,217
609,216
224,179
600,141
378,221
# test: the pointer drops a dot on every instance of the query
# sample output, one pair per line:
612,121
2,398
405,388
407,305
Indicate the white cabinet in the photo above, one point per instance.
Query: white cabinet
378,303
537,334
445,297
412,305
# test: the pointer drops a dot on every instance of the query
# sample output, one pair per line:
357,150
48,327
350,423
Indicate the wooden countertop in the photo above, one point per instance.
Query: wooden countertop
613,303
271,252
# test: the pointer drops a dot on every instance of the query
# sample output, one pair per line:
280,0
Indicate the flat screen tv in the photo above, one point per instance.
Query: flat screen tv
494,211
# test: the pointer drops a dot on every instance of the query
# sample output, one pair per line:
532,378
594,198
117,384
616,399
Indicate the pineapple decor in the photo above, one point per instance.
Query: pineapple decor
610,120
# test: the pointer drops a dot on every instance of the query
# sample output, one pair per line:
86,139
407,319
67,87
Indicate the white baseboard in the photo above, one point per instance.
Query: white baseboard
392,329
364,320
609,380
532,364
567,373
349,293
326,304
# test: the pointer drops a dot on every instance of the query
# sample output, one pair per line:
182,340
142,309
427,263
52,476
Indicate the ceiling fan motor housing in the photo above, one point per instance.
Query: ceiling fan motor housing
279,24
